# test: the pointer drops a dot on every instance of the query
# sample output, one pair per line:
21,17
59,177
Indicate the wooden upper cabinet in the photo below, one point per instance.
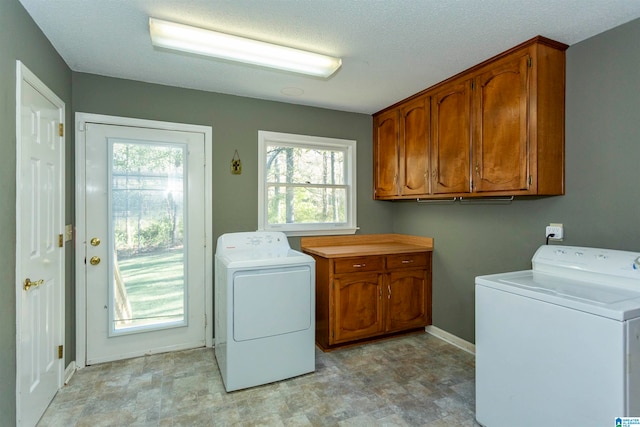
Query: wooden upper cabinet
401,151
386,131
451,139
497,129
414,148
546,118
500,149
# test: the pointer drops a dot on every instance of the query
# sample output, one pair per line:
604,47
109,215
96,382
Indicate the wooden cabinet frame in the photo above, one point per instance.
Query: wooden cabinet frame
401,150
496,129
370,286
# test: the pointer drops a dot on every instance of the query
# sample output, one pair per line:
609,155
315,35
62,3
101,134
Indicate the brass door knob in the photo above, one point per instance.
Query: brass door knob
95,260
95,241
28,284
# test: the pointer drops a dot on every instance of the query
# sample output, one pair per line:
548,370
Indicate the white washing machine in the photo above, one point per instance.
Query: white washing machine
559,345
264,309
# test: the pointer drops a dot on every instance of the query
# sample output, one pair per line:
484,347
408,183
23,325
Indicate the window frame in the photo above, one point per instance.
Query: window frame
266,138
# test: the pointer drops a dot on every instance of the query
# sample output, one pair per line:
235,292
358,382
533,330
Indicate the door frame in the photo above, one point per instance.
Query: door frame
23,74
81,240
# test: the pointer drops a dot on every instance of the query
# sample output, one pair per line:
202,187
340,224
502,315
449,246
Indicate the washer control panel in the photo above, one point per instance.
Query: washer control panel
592,260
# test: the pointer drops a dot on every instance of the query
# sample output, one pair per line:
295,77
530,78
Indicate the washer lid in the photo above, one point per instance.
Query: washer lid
607,300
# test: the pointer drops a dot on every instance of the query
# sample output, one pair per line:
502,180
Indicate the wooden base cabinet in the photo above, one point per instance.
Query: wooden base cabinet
357,307
408,299
360,298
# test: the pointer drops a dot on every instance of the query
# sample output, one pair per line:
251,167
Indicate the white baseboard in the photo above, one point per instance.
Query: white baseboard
451,339
69,371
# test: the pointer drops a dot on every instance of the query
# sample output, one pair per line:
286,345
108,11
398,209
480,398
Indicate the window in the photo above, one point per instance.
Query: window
306,184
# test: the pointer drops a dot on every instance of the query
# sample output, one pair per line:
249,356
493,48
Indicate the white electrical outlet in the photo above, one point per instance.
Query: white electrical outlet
557,230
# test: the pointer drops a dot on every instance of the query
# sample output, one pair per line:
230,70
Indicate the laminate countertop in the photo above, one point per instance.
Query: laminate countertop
365,244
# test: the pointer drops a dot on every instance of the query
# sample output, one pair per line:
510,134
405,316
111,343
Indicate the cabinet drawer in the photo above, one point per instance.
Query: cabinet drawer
407,260
350,265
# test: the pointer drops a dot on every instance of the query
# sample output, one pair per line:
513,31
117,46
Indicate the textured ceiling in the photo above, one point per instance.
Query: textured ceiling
390,48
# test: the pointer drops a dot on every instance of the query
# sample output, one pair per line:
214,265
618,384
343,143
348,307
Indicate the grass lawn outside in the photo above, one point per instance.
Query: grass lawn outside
154,284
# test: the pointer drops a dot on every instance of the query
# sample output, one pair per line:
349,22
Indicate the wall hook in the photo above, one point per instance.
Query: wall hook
236,164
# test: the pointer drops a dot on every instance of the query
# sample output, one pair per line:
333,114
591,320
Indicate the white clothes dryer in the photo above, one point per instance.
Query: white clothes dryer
264,309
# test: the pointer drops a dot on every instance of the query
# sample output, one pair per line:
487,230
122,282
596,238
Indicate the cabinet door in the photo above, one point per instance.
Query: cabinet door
386,130
451,138
357,307
500,154
414,147
407,300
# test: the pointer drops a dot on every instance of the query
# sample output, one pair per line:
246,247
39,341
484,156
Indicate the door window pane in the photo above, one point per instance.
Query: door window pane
148,229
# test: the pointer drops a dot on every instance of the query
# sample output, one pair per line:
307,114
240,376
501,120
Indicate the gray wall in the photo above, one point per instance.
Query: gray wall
235,122
601,207
21,39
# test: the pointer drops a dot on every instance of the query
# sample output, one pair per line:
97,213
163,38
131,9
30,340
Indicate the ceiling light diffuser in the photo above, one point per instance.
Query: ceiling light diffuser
233,48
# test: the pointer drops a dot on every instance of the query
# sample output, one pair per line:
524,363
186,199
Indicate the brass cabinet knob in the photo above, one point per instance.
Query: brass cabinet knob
95,260
95,241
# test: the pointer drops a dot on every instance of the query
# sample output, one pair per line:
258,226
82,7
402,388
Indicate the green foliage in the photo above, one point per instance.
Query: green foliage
147,185
306,185
156,235
146,157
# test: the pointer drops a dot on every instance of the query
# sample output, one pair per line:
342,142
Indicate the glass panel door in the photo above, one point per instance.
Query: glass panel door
145,241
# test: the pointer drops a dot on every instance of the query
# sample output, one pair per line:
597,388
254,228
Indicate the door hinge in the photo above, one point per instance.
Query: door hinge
205,320
61,129
60,241
60,351
529,63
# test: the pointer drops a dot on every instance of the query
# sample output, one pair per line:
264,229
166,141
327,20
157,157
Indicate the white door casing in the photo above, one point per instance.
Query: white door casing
40,116
95,340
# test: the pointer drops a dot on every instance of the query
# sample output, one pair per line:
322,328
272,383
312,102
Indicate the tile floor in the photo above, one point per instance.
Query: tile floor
415,380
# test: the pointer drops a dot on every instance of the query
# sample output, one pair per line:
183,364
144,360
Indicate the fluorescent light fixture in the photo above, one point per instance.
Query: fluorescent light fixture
211,43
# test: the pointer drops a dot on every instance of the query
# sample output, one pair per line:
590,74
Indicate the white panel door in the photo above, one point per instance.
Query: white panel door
145,241
40,255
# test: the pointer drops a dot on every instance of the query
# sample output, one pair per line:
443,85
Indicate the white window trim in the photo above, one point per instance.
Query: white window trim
349,227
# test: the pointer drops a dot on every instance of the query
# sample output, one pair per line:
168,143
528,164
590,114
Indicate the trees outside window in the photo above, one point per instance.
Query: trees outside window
306,184
147,197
